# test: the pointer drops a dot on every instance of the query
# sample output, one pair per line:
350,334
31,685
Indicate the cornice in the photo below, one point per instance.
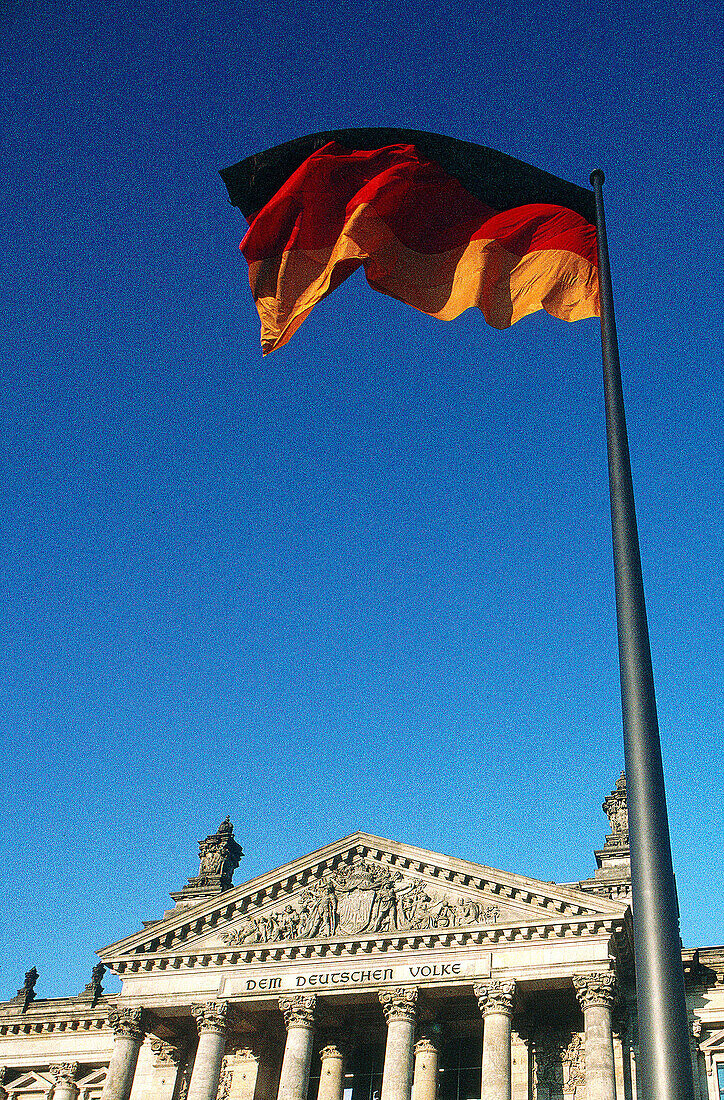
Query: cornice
390,944
26,1025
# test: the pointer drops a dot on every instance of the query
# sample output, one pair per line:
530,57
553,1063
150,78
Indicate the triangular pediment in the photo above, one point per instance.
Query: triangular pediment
712,1042
30,1084
360,889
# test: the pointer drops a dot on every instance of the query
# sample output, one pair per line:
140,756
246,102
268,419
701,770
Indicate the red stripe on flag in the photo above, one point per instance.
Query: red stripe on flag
427,210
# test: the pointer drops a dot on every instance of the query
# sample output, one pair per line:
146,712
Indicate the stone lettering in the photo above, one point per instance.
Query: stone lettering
439,970
264,983
357,977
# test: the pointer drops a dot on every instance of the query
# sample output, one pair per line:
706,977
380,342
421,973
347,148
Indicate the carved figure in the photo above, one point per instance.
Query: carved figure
361,897
615,807
212,859
383,912
26,993
445,916
321,918
289,923
219,856
31,977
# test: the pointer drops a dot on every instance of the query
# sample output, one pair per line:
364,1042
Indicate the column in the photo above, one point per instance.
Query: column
595,994
3,1090
399,1008
211,1026
427,1054
495,999
299,1017
331,1081
64,1086
127,1024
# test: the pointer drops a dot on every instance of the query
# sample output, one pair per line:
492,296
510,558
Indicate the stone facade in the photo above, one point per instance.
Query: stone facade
368,970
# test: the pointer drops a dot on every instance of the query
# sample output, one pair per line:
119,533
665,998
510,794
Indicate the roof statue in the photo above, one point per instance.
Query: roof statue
219,856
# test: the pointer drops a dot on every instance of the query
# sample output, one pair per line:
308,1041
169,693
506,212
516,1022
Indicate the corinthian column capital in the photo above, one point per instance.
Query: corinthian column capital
595,990
399,1003
298,1010
210,1017
333,1049
63,1073
127,1023
495,995
427,1044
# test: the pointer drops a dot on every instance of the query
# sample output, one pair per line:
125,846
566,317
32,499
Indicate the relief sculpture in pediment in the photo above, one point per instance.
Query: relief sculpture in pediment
361,898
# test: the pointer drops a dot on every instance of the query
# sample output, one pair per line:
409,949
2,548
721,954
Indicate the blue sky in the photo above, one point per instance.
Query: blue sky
365,582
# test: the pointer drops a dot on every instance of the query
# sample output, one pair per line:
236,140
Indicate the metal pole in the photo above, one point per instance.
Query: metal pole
664,1069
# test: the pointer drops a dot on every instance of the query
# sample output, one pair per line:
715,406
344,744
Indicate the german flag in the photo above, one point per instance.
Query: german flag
440,224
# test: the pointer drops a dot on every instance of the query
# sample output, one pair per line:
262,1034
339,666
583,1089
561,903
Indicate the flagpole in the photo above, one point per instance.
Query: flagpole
664,1070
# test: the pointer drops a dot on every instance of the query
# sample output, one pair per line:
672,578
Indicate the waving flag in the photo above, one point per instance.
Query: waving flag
440,224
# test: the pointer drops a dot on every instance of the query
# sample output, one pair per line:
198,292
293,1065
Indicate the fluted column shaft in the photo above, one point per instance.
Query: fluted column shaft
595,994
495,999
399,1006
299,1018
424,1082
331,1080
128,1038
211,1025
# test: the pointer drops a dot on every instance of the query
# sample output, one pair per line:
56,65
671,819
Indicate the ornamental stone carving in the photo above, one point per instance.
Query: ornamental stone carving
164,1053
298,1010
427,1044
495,995
185,1082
210,1017
63,1073
127,1023
616,810
250,1052
332,1050
362,897
219,856
595,990
225,1079
26,993
559,1063
399,1003
94,989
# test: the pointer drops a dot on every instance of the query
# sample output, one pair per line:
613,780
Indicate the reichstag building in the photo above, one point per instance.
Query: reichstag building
368,970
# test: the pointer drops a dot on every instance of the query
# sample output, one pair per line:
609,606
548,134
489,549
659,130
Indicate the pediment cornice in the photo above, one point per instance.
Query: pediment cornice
363,894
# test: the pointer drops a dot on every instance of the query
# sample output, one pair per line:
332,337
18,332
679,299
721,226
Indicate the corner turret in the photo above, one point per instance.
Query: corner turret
219,856
613,874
